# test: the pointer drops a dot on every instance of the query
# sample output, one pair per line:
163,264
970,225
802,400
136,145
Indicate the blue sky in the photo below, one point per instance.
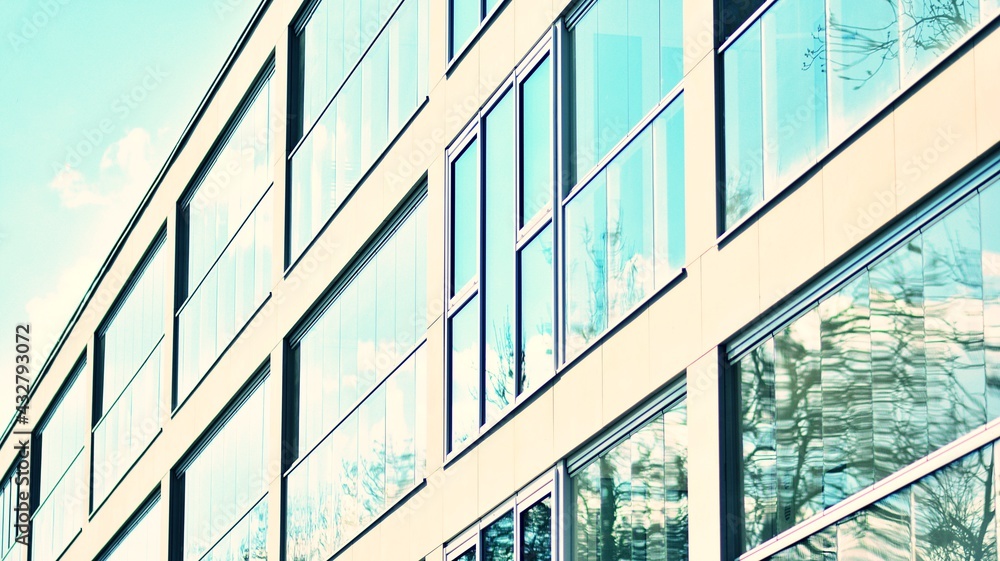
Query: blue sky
93,95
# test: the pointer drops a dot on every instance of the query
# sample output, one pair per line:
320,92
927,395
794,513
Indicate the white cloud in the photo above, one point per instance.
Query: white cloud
74,190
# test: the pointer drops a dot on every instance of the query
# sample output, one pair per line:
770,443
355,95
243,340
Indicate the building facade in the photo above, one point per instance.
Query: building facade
526,280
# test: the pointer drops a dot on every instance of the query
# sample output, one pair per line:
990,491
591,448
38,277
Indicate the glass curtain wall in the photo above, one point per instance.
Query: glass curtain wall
897,363
63,490
230,234
225,485
361,373
631,502
363,75
10,548
130,351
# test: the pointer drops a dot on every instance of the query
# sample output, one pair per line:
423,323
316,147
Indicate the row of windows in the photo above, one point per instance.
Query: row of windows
11,501
366,112
501,325
622,215
898,363
229,238
130,355
810,72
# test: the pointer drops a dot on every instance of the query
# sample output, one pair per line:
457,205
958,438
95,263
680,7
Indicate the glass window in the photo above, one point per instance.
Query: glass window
633,497
464,388
529,519
537,155
222,484
465,213
62,484
131,358
625,230
465,18
361,398
808,73
744,125
500,234
492,200
370,460
626,59
949,514
367,100
142,539
794,49
537,361
878,375
10,501
230,238
351,340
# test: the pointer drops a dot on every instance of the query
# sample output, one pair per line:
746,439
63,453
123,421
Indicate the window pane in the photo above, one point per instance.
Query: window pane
799,427
931,27
668,195
401,431
882,529
371,455
464,387
990,207
465,201
848,445
386,307
586,275
537,154
899,377
467,556
536,532
757,428
537,281
498,284
631,502
630,226
794,89
863,58
671,44
585,119
953,326
314,49
744,125
612,76
498,539
464,21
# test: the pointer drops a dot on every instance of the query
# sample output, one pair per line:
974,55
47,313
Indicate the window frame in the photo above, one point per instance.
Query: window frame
98,416
567,358
75,376
548,48
177,501
454,53
548,485
907,86
869,253
137,517
183,293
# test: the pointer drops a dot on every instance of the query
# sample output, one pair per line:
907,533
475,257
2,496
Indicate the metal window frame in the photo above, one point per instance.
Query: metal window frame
549,485
984,175
455,53
546,49
258,380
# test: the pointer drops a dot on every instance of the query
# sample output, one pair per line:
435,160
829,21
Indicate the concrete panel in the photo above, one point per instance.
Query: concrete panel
675,329
532,20
496,467
462,92
626,368
577,401
935,132
987,55
461,493
699,157
704,497
497,52
699,32
730,286
859,193
533,440
791,242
